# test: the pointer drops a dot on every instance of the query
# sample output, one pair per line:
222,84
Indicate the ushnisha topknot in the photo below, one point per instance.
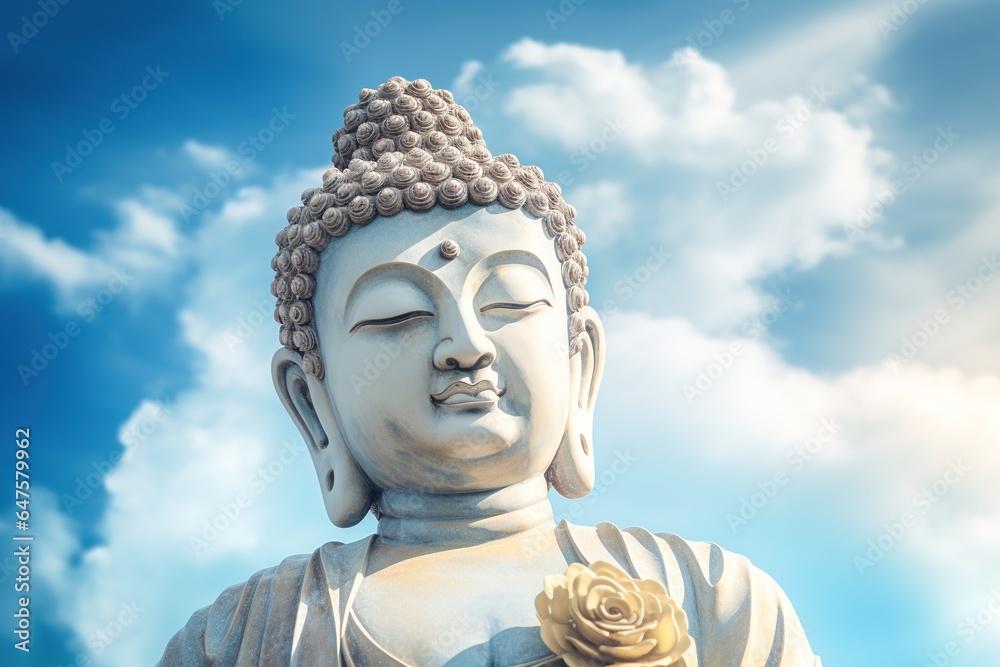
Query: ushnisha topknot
406,145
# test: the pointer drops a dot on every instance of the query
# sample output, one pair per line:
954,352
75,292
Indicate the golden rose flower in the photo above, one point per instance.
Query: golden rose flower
597,616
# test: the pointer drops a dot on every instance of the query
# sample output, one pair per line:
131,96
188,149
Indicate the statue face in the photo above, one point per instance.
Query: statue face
446,374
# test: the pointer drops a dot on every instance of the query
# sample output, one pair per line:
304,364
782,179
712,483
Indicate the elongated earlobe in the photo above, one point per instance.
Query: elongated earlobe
572,469
347,493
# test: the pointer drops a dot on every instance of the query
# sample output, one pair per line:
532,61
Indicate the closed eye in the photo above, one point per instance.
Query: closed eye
385,321
506,305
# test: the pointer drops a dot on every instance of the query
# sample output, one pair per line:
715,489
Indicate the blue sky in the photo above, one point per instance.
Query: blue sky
146,283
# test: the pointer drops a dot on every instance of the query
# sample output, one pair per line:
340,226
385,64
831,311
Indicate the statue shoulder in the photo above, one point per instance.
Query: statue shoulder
735,610
260,614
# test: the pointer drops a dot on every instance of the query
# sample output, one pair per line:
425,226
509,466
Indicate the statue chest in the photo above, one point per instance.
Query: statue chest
455,609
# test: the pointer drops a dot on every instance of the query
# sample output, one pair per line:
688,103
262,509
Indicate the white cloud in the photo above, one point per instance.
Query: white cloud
26,247
207,156
830,48
944,297
604,210
466,76
748,190
145,243
899,434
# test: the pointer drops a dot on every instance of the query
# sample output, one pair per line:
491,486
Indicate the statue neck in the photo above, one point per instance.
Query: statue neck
463,519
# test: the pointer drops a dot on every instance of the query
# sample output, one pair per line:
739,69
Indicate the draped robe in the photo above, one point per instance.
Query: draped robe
298,614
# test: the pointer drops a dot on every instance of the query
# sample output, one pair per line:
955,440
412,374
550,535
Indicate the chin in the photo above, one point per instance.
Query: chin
470,436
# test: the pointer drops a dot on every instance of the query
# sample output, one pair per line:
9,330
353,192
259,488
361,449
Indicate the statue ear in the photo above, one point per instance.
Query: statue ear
347,493
572,469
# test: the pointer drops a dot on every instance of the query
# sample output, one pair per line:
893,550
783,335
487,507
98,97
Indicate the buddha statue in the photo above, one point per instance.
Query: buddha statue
441,362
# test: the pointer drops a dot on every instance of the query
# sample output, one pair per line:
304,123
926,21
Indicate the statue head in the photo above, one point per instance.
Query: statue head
434,320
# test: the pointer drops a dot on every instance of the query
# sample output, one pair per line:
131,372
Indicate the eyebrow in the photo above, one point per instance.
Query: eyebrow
511,256
479,271
373,273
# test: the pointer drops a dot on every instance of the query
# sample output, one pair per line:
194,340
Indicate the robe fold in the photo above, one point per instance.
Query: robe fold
292,615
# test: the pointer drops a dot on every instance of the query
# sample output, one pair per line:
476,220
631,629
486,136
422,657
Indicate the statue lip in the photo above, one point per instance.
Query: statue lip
468,395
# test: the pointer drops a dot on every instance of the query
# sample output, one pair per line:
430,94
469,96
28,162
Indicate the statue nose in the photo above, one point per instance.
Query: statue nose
456,363
464,344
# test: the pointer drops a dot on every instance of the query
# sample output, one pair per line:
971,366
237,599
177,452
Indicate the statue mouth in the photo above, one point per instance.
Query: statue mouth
464,395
